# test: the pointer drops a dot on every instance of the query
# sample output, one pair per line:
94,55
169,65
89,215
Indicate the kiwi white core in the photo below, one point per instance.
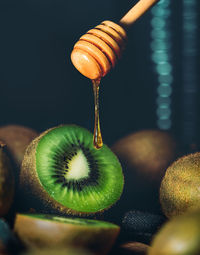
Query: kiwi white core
78,167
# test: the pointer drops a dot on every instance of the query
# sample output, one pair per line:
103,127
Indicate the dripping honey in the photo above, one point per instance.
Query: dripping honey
97,138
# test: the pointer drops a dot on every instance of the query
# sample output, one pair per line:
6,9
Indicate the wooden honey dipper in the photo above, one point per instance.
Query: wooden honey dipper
99,49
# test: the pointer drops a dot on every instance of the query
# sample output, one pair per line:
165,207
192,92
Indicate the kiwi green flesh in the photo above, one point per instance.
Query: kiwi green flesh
76,174
75,221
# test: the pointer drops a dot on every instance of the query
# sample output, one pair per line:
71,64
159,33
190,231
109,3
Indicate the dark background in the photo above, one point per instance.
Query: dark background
40,87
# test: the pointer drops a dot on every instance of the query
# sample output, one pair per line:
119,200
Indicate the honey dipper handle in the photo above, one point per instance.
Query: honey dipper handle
136,11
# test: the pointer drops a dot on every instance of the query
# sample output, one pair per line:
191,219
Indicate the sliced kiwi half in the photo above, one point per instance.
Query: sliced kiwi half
63,171
39,230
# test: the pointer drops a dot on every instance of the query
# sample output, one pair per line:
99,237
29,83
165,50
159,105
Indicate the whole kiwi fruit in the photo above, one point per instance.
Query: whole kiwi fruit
40,230
17,138
144,156
7,181
179,236
62,172
147,152
180,187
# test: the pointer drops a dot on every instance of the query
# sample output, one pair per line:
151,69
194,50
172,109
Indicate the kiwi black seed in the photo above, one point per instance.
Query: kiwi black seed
40,231
62,172
17,138
7,181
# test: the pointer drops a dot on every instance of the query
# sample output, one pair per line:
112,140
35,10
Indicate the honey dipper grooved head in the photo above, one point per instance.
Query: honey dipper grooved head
98,50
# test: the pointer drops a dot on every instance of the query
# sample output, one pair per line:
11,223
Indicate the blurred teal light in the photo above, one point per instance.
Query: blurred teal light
161,57
164,124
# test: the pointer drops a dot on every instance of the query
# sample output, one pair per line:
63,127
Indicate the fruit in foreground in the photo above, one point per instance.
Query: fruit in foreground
179,236
134,248
17,138
40,230
180,187
7,182
57,251
62,172
148,152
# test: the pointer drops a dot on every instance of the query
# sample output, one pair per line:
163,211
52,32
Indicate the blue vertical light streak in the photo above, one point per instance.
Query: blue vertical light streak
161,57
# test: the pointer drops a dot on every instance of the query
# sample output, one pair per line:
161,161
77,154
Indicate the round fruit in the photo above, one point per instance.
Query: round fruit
180,187
56,251
144,156
149,152
63,172
179,236
17,138
6,181
135,248
40,230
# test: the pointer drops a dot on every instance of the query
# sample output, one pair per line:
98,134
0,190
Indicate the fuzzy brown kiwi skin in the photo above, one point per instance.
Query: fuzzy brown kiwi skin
179,190
134,248
7,181
17,138
147,153
32,194
41,233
